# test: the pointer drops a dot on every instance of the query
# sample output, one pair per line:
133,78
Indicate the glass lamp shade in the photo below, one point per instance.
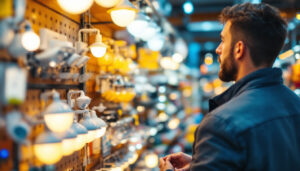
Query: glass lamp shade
30,40
122,17
48,148
82,134
91,126
58,115
102,125
69,139
75,6
107,3
98,49
123,14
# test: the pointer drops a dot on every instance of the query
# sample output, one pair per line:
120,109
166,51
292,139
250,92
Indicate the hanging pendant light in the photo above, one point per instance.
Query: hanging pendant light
107,3
75,6
123,13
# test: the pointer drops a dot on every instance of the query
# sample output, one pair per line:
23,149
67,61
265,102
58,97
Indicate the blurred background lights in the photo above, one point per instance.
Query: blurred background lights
30,40
188,7
173,123
75,6
4,153
177,57
138,26
151,160
107,3
208,59
156,43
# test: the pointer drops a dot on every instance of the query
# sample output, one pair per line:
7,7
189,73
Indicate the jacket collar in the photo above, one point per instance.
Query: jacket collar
260,78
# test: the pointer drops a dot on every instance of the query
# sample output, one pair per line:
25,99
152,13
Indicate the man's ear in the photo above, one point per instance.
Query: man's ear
239,50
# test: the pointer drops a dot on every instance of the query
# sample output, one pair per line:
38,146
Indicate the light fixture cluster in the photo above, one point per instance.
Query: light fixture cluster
122,12
65,134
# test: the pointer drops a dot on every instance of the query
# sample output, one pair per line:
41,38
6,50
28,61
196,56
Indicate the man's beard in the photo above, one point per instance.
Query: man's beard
228,68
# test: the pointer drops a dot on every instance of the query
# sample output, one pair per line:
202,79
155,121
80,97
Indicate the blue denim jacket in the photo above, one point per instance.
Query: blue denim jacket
254,125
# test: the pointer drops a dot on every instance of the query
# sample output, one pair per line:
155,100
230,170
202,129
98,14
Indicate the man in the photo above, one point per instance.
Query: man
255,124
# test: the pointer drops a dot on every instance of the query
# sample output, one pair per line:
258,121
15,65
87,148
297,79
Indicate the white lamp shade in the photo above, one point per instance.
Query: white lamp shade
68,146
80,141
58,116
92,135
82,134
59,122
98,50
30,40
91,126
107,3
48,148
75,6
150,31
122,17
100,132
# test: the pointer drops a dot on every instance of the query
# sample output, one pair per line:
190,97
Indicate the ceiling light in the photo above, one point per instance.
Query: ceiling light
58,115
123,14
75,6
107,3
48,148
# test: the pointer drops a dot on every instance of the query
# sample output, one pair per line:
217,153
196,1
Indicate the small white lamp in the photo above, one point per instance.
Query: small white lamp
48,148
82,134
58,115
68,142
91,126
107,3
101,124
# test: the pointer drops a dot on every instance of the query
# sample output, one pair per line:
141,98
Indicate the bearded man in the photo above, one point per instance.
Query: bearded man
255,123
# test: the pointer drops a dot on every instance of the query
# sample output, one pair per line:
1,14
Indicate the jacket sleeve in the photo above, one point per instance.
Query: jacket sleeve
216,147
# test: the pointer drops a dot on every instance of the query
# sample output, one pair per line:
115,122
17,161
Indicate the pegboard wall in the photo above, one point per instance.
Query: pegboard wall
47,14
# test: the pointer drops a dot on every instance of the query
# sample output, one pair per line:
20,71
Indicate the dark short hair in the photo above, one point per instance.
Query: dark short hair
260,27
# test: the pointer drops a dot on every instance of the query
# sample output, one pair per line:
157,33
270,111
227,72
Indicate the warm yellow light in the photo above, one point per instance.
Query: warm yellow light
122,17
208,88
151,160
68,146
48,153
163,117
80,141
219,90
133,158
169,63
286,54
91,135
105,60
30,41
298,16
75,6
100,132
117,169
177,57
107,3
59,122
173,123
98,49
208,60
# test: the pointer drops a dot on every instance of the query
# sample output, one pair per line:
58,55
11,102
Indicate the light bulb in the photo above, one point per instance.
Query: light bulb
82,134
30,40
151,160
75,6
150,31
98,51
107,3
122,17
48,148
69,142
173,123
59,122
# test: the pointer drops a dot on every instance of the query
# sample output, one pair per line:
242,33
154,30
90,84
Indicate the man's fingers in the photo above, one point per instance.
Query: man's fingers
161,162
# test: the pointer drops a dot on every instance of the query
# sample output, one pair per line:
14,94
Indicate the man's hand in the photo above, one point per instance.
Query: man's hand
165,164
180,161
